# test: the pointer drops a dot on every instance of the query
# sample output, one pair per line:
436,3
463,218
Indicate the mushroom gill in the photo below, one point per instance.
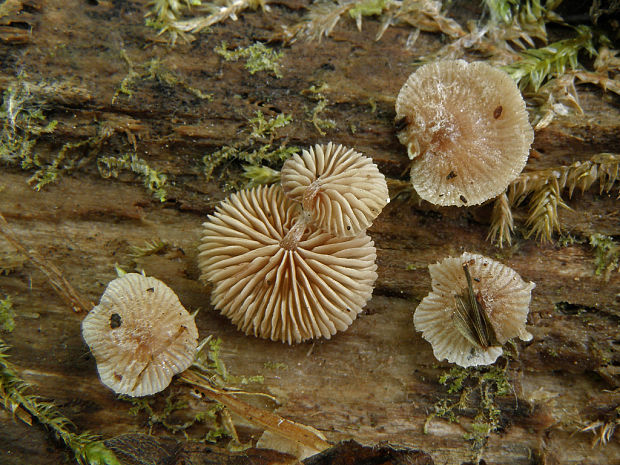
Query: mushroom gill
277,277
342,189
476,305
140,335
466,128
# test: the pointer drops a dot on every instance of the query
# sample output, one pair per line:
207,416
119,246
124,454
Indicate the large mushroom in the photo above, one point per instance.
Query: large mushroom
276,276
466,128
341,189
140,335
476,305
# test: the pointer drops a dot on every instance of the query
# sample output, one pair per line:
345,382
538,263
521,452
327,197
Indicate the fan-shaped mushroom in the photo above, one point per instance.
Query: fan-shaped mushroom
277,277
466,128
140,335
475,306
342,189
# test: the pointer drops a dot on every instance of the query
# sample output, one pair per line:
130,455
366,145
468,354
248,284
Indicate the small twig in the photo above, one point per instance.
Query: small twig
263,418
54,276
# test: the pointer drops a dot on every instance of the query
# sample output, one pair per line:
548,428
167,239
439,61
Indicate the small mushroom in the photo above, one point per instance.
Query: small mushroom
466,129
276,276
140,335
342,189
476,305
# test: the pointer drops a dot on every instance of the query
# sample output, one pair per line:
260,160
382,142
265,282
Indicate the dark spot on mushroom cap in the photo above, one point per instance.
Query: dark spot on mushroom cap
451,175
118,377
348,228
115,320
401,124
463,199
150,289
498,111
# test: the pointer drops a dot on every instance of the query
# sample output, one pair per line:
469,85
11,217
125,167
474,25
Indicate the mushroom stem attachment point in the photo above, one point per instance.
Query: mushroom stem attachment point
294,235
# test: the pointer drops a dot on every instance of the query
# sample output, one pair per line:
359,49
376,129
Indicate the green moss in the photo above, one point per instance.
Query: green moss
258,57
153,180
152,247
317,93
16,397
256,151
275,366
537,65
606,253
477,389
367,8
7,314
153,70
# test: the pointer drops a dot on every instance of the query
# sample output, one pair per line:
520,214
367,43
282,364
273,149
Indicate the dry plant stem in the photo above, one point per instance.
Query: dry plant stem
54,276
270,421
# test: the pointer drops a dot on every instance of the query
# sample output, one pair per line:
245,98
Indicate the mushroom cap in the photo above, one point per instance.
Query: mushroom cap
343,189
467,131
272,288
506,299
140,335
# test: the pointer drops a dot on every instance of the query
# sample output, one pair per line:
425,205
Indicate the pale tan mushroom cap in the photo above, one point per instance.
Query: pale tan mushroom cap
467,131
278,291
505,294
140,335
343,189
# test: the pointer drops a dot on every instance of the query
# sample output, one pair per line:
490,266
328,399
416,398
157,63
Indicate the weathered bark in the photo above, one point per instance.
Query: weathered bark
376,382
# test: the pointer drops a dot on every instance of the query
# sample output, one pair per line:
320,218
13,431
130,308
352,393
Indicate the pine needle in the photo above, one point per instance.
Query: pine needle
15,397
54,276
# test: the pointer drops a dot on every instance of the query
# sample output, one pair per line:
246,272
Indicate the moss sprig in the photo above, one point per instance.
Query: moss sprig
323,16
257,153
16,397
217,12
543,191
537,65
163,14
154,181
258,57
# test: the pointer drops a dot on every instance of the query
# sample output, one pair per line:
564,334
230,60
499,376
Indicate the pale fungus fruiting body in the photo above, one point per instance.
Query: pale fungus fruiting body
466,128
276,276
476,305
140,335
342,190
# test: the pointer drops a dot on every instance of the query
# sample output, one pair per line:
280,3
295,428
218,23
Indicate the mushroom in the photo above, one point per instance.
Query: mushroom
140,335
342,189
276,276
476,305
466,128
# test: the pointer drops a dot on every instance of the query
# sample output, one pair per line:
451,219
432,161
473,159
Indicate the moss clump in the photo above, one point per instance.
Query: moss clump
256,149
258,57
7,314
477,389
607,255
153,180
